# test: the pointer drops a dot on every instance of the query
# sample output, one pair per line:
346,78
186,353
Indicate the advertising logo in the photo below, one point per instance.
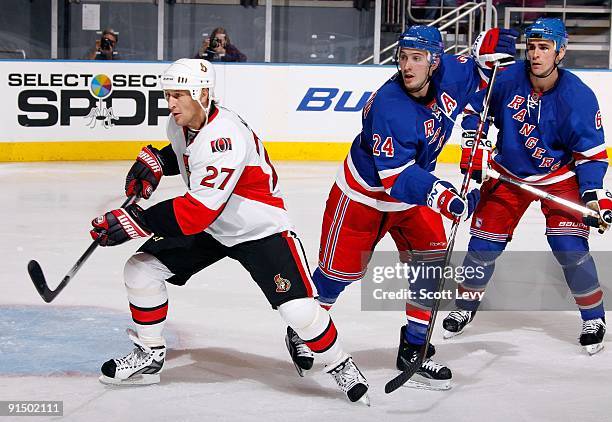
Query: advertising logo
101,87
321,99
87,99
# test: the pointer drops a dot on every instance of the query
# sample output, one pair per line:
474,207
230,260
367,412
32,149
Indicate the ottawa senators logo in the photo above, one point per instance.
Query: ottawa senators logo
221,145
282,284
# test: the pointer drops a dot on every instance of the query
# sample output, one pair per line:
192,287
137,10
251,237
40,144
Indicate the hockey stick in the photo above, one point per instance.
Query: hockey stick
586,212
38,278
414,365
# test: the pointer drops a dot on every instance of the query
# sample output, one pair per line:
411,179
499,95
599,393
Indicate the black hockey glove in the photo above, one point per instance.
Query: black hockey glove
118,226
145,174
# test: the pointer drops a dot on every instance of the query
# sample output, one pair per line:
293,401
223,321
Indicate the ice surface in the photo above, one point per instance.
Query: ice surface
228,360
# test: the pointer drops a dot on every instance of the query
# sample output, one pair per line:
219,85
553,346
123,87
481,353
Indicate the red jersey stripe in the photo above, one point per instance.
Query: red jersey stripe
213,115
274,175
192,216
388,182
559,172
354,185
603,155
254,184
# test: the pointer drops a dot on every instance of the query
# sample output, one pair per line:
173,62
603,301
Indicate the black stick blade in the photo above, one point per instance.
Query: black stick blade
404,376
38,278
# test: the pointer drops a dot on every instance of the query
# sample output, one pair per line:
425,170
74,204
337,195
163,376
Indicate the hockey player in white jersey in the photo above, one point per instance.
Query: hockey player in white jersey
232,208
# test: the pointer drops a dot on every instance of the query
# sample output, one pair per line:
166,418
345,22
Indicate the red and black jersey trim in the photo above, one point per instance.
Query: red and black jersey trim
192,216
180,216
325,340
213,112
149,316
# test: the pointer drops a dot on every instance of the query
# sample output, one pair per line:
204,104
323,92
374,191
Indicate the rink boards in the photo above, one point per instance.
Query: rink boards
85,110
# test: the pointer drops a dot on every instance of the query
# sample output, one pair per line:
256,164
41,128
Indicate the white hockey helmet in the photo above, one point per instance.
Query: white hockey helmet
192,75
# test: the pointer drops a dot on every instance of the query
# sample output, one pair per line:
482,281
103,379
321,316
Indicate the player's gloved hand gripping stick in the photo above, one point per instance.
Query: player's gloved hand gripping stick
38,278
405,375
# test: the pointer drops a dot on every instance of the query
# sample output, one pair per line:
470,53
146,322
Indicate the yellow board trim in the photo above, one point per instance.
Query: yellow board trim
127,150
72,151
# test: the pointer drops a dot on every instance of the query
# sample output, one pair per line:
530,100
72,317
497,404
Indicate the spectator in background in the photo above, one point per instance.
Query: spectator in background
218,48
431,14
518,19
106,46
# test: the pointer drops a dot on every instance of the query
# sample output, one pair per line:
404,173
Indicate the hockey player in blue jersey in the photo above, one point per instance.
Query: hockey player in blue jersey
386,183
550,135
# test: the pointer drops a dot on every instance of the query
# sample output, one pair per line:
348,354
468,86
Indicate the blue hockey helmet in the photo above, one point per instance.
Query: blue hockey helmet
548,29
421,37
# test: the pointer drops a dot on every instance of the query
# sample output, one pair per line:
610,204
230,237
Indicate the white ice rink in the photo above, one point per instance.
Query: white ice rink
228,359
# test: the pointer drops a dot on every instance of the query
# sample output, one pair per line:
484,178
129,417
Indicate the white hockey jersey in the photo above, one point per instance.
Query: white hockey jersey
233,191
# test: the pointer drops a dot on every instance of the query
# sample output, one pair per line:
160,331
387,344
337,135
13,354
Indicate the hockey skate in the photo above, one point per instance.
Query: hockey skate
431,375
142,366
301,355
592,335
455,322
351,381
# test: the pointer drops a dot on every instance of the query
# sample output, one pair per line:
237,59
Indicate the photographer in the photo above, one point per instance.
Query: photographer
107,48
218,48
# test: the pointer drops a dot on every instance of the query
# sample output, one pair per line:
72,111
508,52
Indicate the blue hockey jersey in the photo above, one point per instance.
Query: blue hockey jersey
547,138
390,162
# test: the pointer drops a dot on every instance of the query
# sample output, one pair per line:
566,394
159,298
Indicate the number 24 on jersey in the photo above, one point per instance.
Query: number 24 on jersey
385,147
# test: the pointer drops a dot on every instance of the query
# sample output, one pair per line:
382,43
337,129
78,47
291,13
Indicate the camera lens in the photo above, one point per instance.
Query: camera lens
106,44
214,43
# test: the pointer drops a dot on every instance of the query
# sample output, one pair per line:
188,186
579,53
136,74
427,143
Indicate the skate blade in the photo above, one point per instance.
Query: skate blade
591,349
423,383
365,400
450,334
144,379
301,372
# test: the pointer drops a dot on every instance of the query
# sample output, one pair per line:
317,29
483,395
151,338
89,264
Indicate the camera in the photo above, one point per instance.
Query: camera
106,44
215,43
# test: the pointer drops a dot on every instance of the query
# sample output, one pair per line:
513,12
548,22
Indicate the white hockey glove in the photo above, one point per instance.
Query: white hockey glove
444,199
599,200
495,45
